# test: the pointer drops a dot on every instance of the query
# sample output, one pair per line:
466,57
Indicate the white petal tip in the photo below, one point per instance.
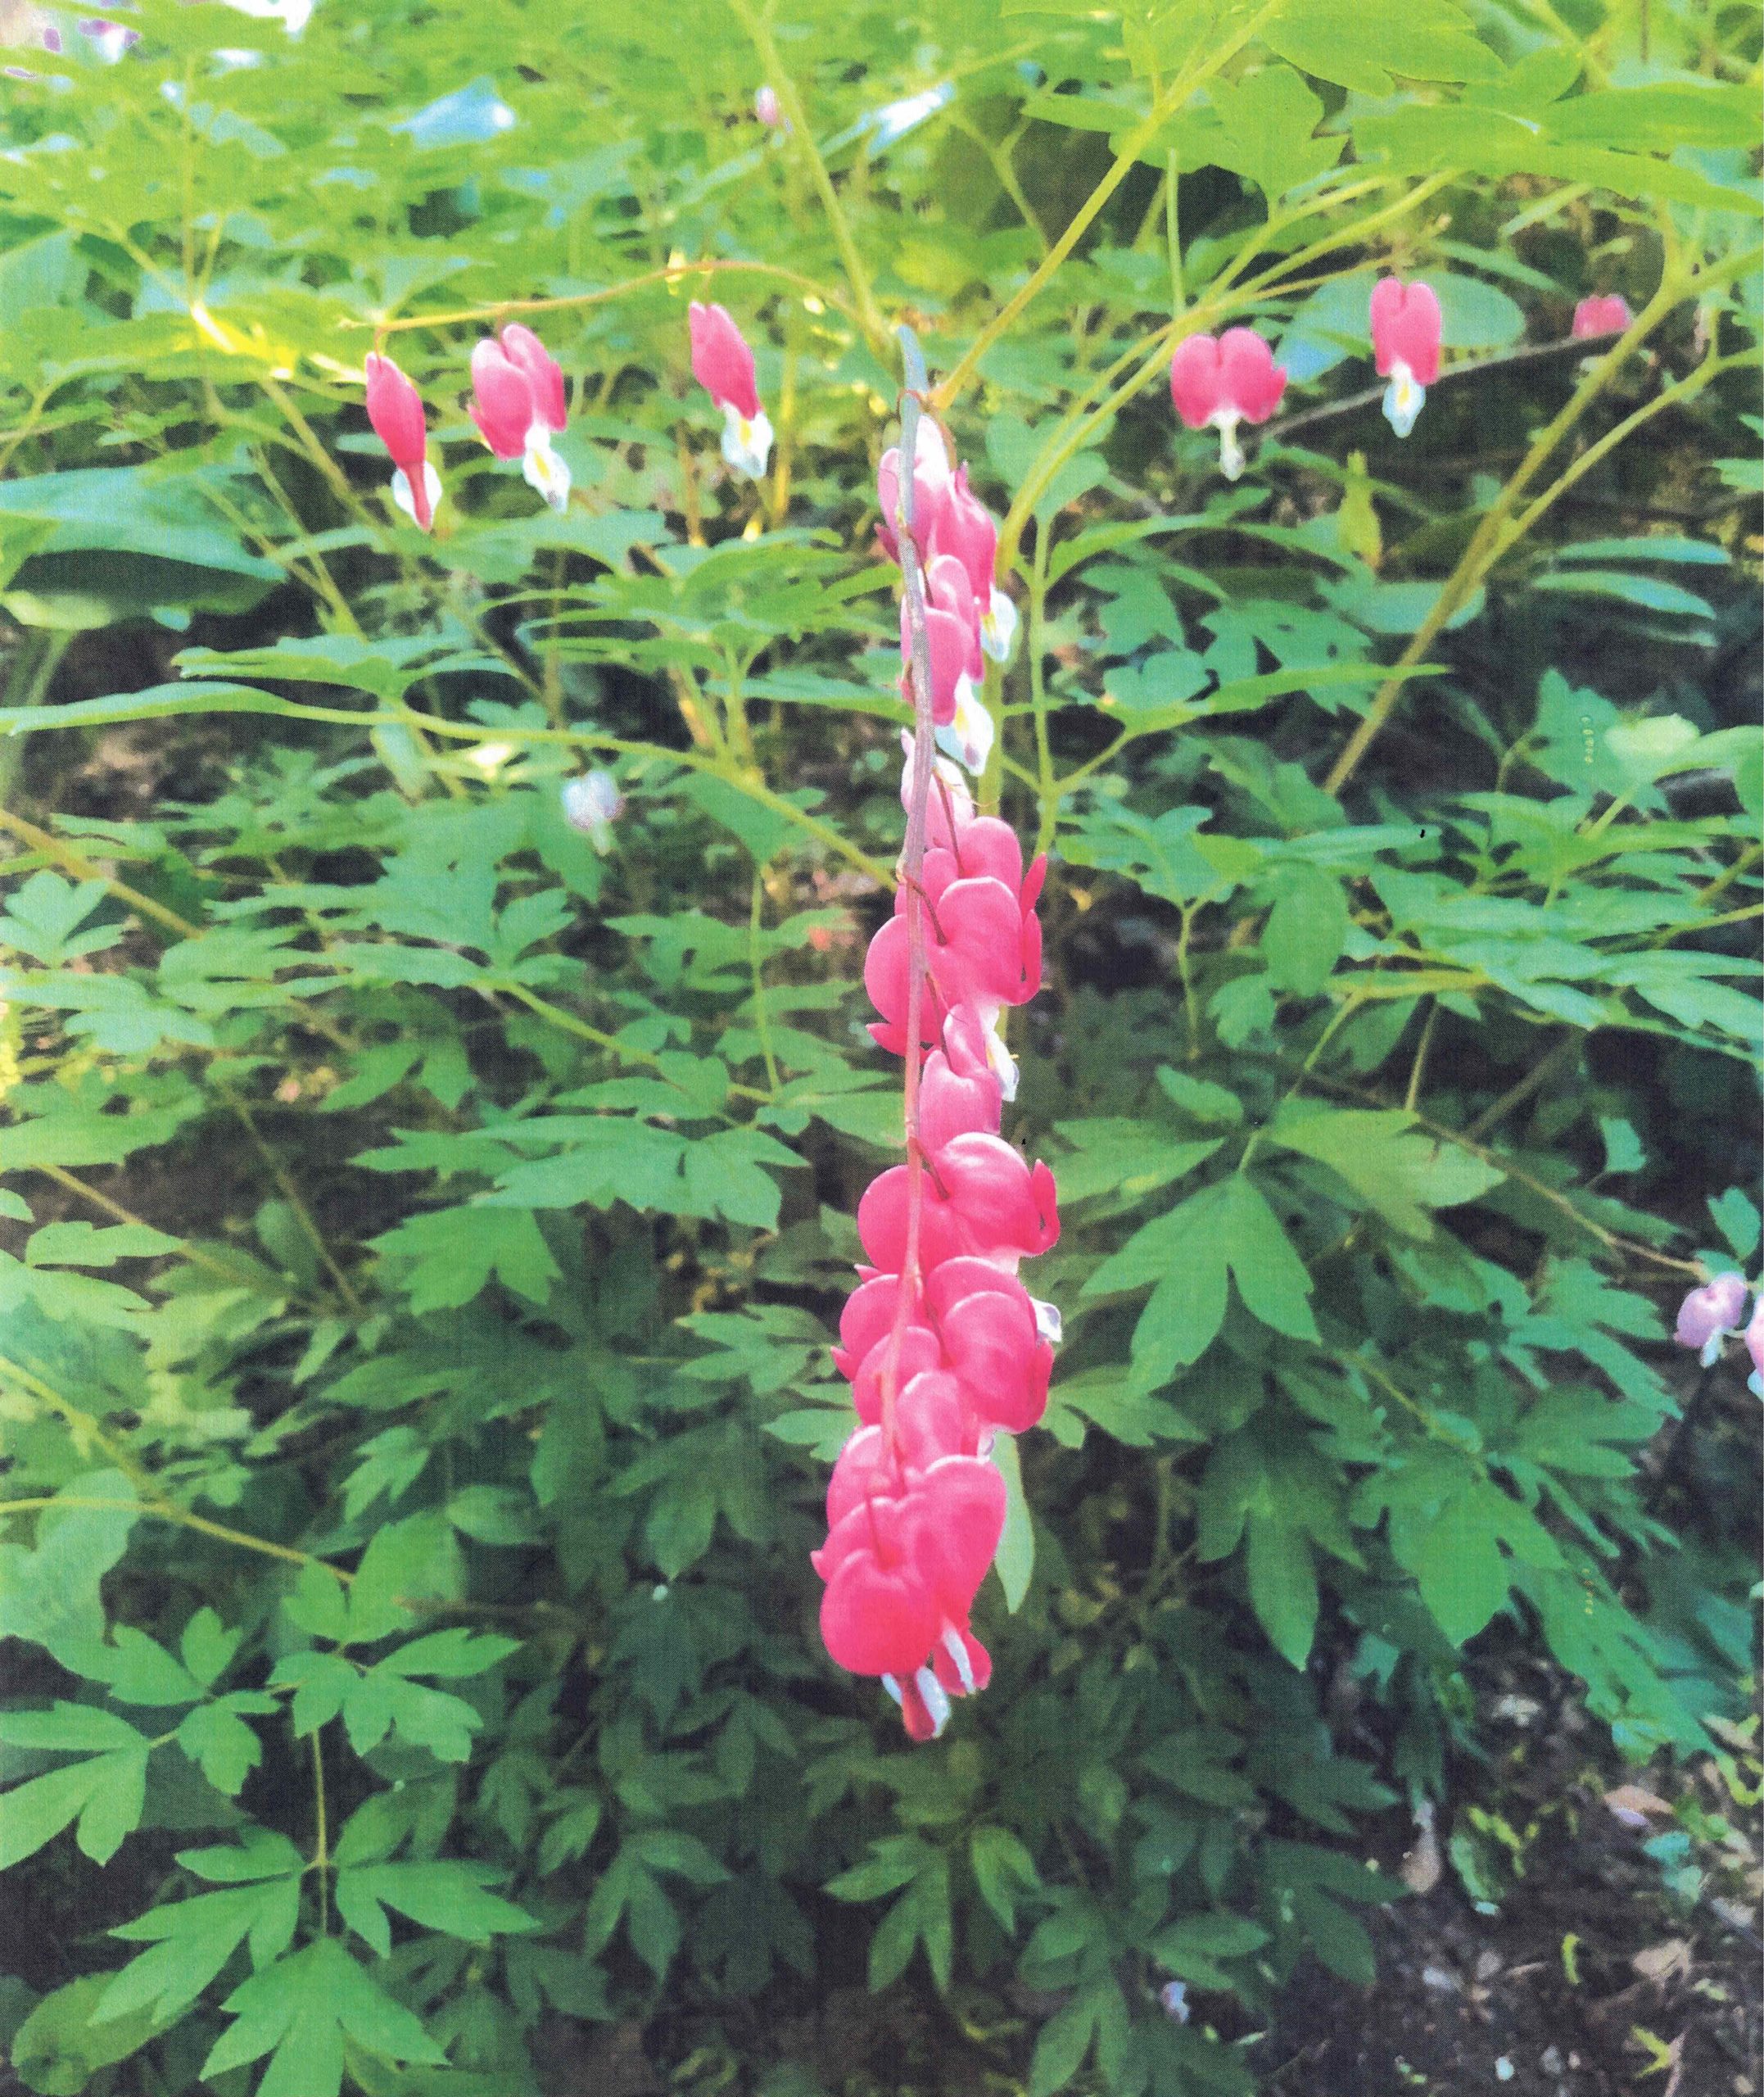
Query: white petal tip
747,445
1402,401
936,1701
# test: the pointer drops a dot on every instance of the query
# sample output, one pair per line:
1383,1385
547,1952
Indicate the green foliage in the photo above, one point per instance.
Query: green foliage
425,1232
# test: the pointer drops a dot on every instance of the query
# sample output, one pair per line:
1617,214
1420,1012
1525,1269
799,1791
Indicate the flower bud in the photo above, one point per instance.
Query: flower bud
395,408
592,804
1608,314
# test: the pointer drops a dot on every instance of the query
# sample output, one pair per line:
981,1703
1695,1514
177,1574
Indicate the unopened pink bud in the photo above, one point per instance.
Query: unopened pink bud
1608,314
767,109
721,361
394,408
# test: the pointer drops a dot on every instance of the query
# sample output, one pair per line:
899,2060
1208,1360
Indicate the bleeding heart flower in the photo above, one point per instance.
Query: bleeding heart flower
723,365
990,1330
1755,1348
394,408
592,804
1608,314
1223,382
879,1616
952,1105
1405,347
964,528
1002,1206
518,403
1709,1315
930,490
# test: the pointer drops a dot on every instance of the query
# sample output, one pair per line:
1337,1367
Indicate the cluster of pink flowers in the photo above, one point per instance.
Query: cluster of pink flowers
1711,1315
1221,382
517,402
944,1348
518,405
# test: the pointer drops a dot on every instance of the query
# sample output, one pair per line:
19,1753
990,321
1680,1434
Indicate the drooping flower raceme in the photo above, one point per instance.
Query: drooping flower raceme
1608,314
1710,1316
944,1348
1220,382
723,365
517,404
1405,347
394,408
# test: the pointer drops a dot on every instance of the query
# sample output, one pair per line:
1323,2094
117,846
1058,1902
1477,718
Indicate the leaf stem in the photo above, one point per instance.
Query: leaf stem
864,311
672,272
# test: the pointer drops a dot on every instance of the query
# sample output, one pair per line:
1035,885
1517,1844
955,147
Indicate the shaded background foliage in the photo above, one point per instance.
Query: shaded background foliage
425,1233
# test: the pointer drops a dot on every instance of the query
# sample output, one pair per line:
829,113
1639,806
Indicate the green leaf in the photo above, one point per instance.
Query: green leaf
208,1646
1192,1948
409,1566
1271,1278
106,1793
139,1670
1397,1171
63,2043
1306,930
42,919
191,1940
49,1595
1060,2047
300,2010
1282,1577
453,1654
450,1897
1455,1556
450,1254
1002,1867
1015,1558
1266,132
1336,40
217,1739
36,1812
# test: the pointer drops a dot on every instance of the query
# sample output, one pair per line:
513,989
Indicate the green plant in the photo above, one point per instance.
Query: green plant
414,1363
